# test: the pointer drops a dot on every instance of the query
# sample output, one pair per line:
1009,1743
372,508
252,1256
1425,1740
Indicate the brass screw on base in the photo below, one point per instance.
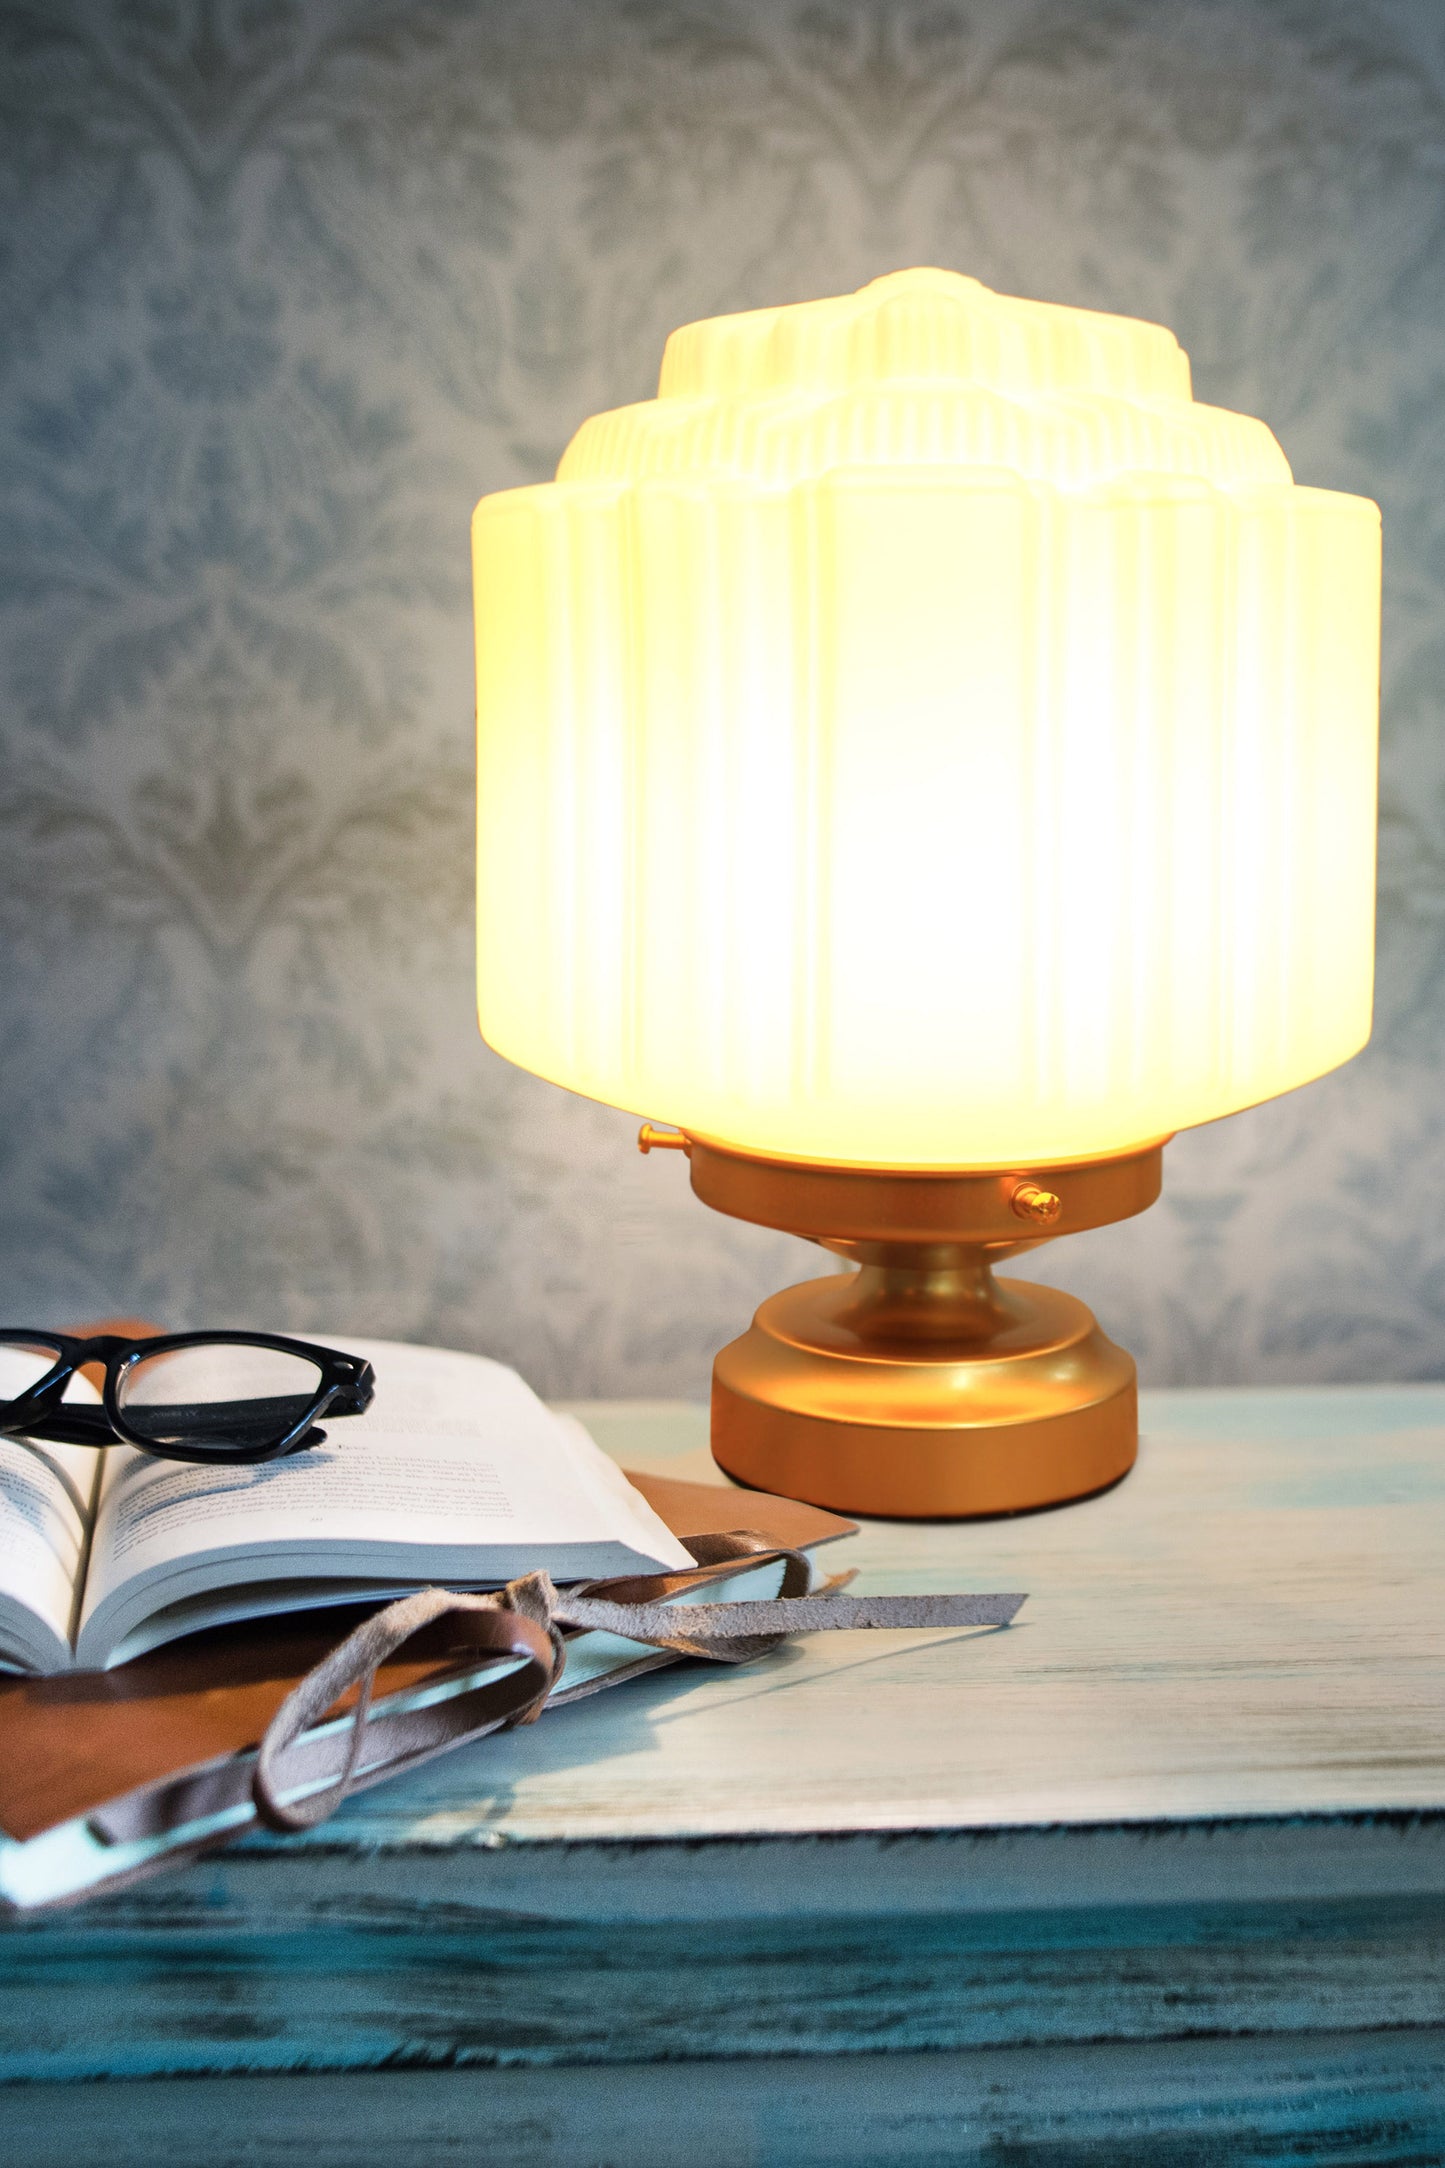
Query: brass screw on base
1030,1202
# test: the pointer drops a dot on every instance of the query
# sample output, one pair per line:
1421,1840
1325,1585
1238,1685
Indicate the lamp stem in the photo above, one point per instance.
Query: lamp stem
939,1292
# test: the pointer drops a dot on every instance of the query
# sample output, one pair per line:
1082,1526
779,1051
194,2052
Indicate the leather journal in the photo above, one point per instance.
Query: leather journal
106,1748
109,1776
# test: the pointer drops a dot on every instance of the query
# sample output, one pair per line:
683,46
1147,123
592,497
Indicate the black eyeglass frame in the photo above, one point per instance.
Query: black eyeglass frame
346,1387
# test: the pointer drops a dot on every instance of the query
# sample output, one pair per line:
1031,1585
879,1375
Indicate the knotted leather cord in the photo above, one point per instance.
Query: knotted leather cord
526,1620
399,1734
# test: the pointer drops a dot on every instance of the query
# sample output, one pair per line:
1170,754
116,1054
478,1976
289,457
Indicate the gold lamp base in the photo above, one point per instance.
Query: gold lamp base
920,1387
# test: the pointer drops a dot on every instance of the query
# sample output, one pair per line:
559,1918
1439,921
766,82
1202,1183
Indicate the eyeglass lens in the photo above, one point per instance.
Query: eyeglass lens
219,1396
22,1365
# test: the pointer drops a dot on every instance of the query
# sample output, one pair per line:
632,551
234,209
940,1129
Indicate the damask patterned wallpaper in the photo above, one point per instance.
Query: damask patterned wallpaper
286,285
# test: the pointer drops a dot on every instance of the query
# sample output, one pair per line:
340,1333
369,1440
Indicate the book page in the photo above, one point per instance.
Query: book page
45,1499
457,1472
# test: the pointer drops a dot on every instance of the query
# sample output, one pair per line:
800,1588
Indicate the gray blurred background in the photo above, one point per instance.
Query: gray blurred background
284,286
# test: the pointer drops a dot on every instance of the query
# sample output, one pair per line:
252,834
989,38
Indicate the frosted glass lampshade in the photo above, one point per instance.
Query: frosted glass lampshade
924,736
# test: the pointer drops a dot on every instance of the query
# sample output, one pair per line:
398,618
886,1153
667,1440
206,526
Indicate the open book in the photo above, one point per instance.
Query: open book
456,1474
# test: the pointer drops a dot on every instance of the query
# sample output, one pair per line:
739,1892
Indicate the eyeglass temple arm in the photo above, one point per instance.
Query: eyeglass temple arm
70,1426
89,1426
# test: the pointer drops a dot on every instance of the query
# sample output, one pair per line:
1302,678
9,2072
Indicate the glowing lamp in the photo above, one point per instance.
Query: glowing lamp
928,758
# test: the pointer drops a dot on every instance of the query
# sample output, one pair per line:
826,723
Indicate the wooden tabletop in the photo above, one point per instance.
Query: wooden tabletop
1190,1805
1252,1623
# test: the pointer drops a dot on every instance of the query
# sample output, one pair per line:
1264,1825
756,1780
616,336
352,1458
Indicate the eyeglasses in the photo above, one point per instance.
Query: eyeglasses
201,1396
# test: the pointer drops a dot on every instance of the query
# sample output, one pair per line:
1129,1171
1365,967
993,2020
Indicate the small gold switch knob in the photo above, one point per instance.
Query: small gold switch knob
1031,1202
652,1139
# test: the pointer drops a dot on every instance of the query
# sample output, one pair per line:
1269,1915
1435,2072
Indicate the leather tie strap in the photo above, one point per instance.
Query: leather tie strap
490,1625
306,1766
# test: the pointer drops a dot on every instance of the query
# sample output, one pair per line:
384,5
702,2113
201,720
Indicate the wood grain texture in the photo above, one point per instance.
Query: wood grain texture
396,1977
1197,1792
1329,2100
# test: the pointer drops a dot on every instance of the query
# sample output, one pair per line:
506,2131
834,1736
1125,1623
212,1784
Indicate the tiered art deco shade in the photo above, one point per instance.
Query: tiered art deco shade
925,736
928,758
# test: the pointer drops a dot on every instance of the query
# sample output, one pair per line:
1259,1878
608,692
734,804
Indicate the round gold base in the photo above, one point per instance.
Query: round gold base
836,1396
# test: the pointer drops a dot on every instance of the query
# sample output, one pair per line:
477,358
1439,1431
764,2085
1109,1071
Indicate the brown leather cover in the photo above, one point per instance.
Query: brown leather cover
70,1743
716,1509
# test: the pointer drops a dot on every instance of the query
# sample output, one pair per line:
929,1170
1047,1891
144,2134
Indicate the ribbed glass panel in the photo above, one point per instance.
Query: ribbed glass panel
844,798
779,439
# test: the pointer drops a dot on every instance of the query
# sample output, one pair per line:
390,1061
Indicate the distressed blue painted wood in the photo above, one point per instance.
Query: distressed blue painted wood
1165,1862
1332,2101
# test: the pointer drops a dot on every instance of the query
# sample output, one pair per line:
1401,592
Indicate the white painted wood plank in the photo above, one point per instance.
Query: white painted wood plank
1251,1624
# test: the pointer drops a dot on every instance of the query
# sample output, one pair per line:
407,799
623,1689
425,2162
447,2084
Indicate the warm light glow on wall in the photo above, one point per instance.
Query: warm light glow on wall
924,736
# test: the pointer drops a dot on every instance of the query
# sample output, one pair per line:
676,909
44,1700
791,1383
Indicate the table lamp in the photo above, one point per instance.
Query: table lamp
927,758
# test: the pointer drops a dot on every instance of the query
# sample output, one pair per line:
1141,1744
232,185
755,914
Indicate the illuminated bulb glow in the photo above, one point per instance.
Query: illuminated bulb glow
925,736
